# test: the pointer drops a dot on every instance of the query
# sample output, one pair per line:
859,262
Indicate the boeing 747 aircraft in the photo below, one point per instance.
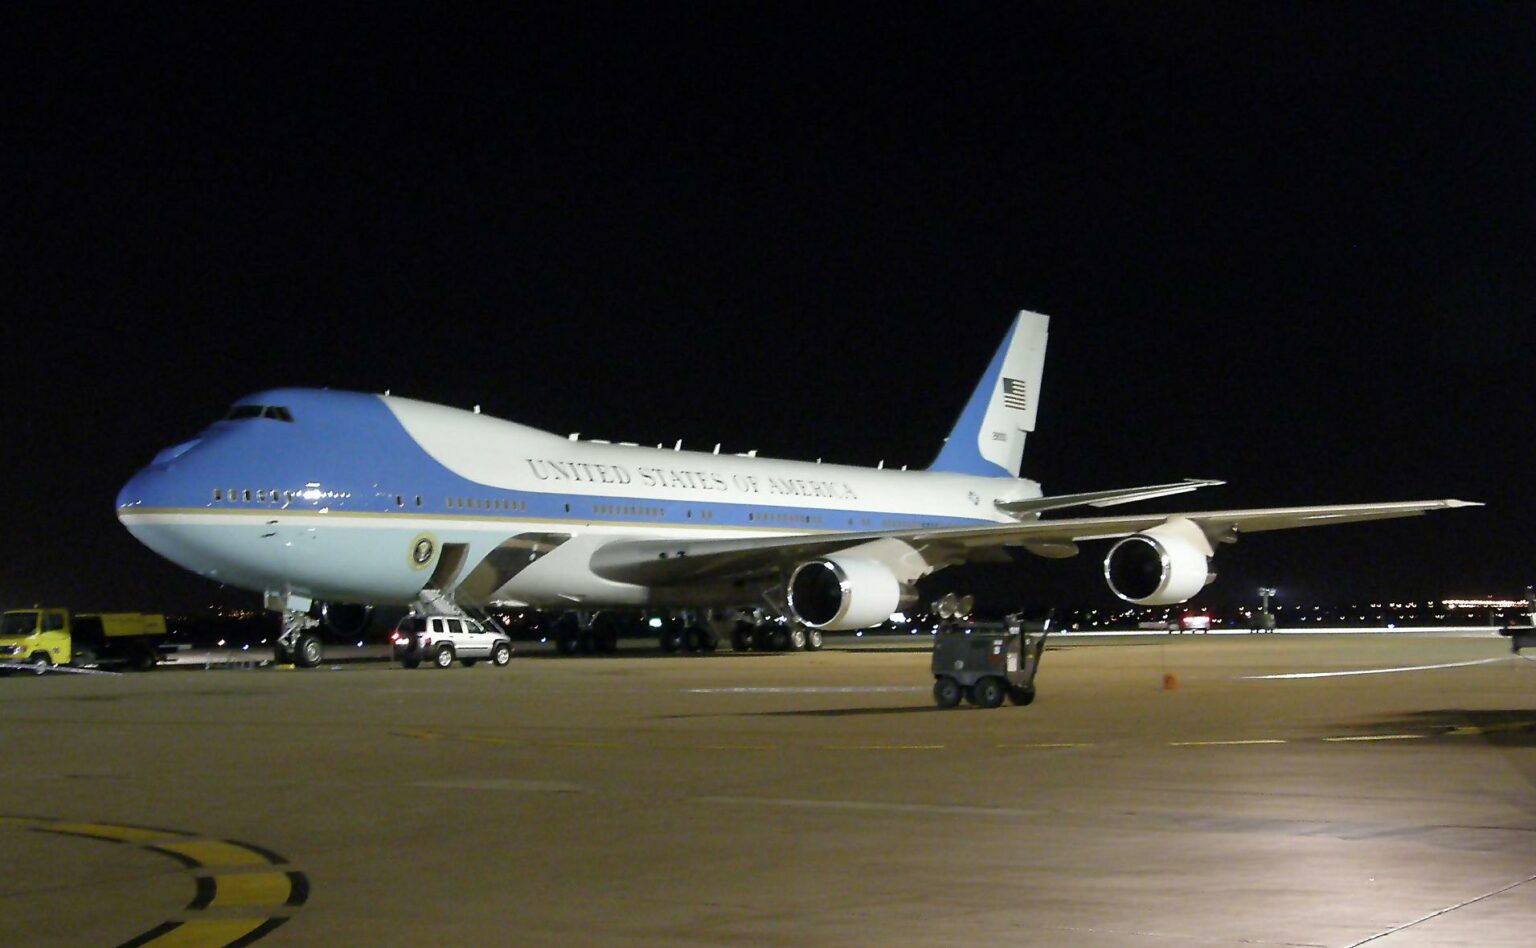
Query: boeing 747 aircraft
316,497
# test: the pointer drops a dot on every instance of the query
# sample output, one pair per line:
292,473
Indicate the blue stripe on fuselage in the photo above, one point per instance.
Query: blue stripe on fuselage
347,452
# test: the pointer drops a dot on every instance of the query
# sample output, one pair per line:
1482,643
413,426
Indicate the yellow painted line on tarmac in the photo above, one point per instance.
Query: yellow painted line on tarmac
216,852
1049,746
1267,740
266,891
254,888
208,932
736,747
883,747
487,740
419,735
585,745
120,834
1375,737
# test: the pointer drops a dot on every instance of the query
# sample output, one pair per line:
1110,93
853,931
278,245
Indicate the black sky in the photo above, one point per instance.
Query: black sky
1289,246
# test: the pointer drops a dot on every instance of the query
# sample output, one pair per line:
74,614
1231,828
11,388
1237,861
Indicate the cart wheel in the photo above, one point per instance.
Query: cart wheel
946,692
1021,694
988,692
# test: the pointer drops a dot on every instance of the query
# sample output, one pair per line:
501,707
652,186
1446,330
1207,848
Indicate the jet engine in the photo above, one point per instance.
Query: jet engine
1161,566
845,592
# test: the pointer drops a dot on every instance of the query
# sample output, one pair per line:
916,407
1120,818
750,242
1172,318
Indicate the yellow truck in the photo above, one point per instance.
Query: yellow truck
42,638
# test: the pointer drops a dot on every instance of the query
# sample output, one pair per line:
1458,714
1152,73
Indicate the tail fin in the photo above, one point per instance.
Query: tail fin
989,437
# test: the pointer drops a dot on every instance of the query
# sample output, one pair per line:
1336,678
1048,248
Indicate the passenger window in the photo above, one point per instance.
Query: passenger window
218,494
247,495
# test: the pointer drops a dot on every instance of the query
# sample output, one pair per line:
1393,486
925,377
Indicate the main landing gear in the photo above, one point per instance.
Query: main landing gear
298,642
774,635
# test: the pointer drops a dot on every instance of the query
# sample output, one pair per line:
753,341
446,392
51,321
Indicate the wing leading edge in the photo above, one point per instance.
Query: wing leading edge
677,562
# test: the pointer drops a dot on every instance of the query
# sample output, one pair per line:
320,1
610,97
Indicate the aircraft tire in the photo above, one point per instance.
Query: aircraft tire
741,637
1021,694
567,641
410,662
813,640
946,692
709,639
671,639
309,652
778,639
796,638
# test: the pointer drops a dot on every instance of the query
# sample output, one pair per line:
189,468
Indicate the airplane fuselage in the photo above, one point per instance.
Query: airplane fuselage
366,498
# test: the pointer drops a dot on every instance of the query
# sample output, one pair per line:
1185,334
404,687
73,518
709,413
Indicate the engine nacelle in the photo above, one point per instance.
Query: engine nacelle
845,592
1161,566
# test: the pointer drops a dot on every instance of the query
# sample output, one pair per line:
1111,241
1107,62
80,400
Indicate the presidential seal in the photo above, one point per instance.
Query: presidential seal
422,550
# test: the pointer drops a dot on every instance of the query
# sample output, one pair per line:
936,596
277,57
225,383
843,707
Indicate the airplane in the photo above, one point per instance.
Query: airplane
327,500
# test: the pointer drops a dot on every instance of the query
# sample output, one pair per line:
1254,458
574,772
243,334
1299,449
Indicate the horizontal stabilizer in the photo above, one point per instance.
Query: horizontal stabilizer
1102,498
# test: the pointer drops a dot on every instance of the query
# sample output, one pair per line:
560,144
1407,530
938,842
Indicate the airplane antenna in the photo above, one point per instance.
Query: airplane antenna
575,436
881,465
679,445
477,409
386,391
717,447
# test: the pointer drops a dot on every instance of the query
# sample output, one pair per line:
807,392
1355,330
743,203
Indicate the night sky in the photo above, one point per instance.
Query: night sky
1289,246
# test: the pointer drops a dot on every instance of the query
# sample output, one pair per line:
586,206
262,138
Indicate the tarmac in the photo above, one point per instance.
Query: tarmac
1164,791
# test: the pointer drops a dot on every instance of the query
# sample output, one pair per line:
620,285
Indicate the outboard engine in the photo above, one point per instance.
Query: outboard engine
1161,566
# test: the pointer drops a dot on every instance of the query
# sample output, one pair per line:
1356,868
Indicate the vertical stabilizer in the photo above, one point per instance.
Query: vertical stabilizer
989,437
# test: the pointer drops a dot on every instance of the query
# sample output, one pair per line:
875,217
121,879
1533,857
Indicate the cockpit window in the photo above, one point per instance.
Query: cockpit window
275,412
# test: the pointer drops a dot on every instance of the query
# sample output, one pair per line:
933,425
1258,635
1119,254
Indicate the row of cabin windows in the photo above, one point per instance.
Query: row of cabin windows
627,510
783,518
483,503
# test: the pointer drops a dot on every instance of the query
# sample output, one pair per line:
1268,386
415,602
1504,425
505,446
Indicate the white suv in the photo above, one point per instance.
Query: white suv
441,639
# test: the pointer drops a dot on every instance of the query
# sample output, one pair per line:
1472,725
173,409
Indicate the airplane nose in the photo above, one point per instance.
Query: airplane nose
134,493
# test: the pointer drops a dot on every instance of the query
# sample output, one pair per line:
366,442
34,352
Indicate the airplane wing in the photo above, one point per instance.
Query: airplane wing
677,562
1101,498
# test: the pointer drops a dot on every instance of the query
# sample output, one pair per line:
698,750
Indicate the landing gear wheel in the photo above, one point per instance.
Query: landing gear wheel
946,692
1021,694
308,652
710,640
741,637
796,638
672,639
567,641
813,640
443,657
762,638
501,654
778,639
40,662
411,662
988,692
